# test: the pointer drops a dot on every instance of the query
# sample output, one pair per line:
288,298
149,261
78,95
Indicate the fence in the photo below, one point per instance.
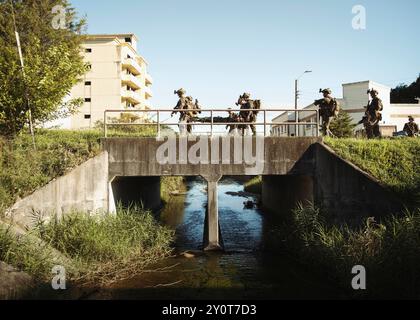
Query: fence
155,117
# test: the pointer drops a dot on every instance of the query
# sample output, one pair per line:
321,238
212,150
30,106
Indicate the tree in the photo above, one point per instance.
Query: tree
406,94
342,126
53,63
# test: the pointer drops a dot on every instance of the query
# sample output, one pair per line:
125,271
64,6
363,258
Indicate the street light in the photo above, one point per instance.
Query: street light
296,101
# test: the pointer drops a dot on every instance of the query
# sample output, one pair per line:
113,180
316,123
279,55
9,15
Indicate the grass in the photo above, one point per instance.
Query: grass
395,162
254,185
96,249
170,185
389,251
23,169
24,254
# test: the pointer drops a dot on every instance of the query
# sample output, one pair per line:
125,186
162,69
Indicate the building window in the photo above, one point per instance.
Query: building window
88,50
88,83
88,100
87,116
128,40
89,67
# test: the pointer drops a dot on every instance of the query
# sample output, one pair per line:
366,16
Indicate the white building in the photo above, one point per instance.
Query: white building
354,101
117,79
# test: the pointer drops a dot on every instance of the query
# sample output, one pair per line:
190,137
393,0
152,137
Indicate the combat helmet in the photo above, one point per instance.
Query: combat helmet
180,91
327,91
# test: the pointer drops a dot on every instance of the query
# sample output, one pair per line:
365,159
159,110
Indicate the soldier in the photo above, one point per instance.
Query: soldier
411,128
181,105
184,107
246,103
374,115
193,110
233,118
328,109
367,126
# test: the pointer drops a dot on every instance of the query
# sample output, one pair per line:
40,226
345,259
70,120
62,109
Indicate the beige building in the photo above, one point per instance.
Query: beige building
117,79
354,99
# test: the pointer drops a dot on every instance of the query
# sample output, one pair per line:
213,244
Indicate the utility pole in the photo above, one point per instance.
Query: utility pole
297,94
22,65
296,108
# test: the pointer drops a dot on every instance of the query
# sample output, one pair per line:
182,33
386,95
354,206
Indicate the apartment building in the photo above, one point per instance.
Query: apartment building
354,99
117,79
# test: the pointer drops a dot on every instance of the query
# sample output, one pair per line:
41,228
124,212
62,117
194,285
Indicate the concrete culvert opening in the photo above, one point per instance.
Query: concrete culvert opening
137,191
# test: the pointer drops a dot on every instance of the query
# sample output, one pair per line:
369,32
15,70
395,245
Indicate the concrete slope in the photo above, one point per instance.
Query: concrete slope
347,191
84,189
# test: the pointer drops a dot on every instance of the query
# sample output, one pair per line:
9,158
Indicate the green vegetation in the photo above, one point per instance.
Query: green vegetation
95,249
25,254
23,169
342,126
254,185
406,93
395,162
389,251
171,185
51,55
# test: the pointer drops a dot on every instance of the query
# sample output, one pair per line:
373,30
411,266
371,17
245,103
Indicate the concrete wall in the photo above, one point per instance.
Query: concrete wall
281,194
347,192
85,189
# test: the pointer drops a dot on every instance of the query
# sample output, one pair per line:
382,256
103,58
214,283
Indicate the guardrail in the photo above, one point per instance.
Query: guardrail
261,120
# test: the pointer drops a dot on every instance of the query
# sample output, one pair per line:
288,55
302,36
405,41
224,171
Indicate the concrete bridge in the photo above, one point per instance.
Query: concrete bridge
208,157
293,169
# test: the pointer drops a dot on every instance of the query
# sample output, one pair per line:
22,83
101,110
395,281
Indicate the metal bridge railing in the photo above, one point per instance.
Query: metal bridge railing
154,118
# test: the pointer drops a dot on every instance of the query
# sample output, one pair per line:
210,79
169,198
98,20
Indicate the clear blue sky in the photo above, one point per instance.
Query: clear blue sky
219,49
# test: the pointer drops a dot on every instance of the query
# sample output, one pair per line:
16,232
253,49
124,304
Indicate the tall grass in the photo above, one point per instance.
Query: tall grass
98,249
390,252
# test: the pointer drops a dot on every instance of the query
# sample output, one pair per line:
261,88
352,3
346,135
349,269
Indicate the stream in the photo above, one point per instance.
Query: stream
246,270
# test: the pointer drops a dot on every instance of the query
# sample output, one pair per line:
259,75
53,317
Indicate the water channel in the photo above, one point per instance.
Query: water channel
246,270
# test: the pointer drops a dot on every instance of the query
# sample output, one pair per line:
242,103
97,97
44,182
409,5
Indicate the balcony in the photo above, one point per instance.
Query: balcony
149,79
131,81
148,92
131,96
132,65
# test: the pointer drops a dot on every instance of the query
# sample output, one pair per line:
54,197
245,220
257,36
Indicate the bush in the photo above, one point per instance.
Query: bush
389,251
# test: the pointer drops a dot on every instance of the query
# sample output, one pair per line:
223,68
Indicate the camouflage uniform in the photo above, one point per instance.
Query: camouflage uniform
233,118
246,103
193,110
373,112
411,128
328,109
181,105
